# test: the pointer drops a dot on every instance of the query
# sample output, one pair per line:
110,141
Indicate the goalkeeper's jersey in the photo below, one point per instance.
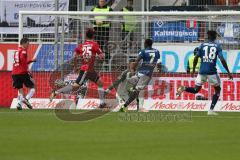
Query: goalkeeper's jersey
125,83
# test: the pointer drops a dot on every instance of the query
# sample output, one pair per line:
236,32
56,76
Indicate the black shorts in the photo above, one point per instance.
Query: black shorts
92,76
20,79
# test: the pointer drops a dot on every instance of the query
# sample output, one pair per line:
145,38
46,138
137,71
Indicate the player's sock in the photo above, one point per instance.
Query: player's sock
191,90
101,94
132,96
137,99
30,93
65,89
20,99
214,100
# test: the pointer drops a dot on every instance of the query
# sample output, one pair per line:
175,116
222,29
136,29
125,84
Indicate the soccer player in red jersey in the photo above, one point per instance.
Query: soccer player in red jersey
88,51
21,75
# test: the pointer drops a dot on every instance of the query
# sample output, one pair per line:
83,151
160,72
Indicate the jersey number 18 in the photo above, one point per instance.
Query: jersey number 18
210,53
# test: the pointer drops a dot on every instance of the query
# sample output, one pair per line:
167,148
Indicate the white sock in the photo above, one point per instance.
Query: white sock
30,93
20,98
101,94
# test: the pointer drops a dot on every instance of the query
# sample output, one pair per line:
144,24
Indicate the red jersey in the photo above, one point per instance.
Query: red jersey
88,51
20,64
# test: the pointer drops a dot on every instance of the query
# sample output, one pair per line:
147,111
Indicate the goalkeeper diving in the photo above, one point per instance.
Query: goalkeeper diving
124,84
147,60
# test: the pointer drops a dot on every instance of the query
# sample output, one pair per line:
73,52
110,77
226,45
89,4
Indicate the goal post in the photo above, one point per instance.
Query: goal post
121,35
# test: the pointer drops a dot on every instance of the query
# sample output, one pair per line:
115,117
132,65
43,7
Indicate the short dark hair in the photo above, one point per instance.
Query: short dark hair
24,40
212,35
148,42
131,60
90,33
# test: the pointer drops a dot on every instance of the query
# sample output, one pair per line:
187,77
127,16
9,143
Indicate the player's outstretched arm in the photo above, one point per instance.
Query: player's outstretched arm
188,68
75,62
224,63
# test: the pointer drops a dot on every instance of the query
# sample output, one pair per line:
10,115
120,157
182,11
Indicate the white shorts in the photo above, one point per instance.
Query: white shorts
213,79
142,81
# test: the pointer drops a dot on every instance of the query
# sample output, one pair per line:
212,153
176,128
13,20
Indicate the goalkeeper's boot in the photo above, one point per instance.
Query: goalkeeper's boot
123,109
212,113
52,96
180,90
27,103
19,107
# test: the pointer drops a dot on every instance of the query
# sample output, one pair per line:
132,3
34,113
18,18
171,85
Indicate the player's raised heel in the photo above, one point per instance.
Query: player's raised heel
212,113
52,96
27,103
180,90
19,107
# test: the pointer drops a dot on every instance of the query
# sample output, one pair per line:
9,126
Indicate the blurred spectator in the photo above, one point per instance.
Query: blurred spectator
128,25
184,3
190,62
220,2
91,2
201,2
110,2
102,26
234,2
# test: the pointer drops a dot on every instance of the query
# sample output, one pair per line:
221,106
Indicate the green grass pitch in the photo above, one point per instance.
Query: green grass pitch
40,135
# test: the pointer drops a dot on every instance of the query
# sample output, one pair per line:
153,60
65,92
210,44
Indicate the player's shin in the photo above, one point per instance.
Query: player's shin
101,94
20,98
30,93
194,90
215,97
132,96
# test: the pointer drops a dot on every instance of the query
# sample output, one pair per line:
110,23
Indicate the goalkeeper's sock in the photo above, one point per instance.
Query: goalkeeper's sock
191,90
214,100
65,90
30,93
20,98
101,94
132,96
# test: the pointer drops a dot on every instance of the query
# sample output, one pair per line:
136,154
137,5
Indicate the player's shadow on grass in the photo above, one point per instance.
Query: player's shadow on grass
66,111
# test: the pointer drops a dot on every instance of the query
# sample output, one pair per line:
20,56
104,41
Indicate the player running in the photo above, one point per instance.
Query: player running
123,85
149,57
208,52
88,51
21,75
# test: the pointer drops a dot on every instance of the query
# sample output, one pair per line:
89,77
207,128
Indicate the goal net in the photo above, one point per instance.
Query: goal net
121,36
